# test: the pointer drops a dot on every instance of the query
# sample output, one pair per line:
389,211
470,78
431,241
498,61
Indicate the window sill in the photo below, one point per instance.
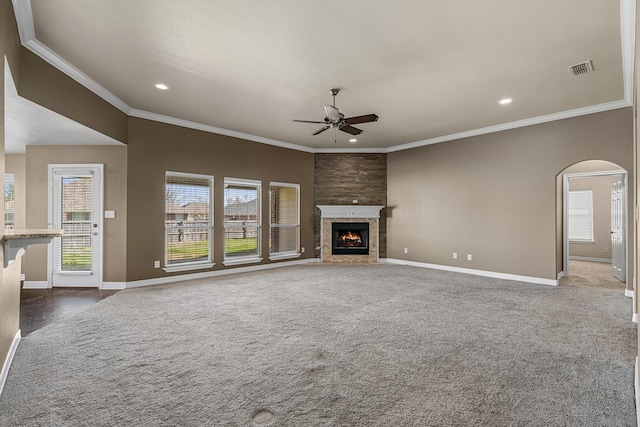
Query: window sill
187,267
241,260
586,242
284,255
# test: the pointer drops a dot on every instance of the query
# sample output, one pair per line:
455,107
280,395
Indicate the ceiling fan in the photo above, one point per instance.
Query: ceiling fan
333,118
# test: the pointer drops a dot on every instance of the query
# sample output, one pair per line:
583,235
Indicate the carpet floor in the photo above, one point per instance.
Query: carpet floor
320,345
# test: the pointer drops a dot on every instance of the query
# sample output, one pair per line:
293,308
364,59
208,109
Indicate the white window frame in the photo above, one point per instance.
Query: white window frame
249,259
274,256
196,265
585,195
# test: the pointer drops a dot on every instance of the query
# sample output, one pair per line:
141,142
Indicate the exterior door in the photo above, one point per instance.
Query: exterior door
76,207
618,228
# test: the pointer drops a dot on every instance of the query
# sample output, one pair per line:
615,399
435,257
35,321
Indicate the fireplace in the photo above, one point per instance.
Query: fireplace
350,238
349,233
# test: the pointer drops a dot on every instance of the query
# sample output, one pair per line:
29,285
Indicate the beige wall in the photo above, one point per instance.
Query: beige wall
43,84
600,248
9,277
155,148
16,164
115,198
494,196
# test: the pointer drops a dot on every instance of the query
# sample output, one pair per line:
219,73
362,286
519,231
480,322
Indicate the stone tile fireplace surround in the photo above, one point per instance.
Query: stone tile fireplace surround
349,214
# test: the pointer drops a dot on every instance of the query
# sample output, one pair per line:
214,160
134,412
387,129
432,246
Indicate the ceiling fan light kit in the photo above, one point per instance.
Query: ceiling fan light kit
333,118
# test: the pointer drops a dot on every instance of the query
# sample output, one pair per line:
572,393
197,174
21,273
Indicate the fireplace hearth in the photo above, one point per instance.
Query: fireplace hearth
350,238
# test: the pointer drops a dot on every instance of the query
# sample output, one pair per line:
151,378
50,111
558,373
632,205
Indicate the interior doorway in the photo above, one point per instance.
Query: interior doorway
75,206
595,219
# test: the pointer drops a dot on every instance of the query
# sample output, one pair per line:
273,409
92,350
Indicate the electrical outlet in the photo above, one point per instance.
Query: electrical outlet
606,250
406,250
156,264
455,255
469,257
355,202
302,249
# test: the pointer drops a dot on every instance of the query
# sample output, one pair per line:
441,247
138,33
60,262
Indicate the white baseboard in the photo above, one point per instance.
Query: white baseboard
628,293
484,273
560,275
590,259
34,284
634,318
7,363
204,275
637,388
113,286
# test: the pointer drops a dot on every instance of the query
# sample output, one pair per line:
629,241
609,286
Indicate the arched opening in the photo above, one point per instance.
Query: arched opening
593,217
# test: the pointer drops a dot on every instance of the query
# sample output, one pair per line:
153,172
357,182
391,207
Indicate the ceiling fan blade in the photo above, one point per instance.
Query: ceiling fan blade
307,121
321,130
361,119
351,130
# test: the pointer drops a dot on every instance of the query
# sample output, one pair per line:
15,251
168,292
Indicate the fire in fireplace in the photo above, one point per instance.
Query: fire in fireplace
350,238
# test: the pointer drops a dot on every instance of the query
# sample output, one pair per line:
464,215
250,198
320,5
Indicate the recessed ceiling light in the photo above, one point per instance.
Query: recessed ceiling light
353,140
162,86
505,101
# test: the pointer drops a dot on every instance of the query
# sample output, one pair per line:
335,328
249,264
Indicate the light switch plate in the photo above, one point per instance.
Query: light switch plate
110,214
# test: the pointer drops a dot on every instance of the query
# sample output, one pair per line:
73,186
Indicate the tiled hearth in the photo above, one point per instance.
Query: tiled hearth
349,214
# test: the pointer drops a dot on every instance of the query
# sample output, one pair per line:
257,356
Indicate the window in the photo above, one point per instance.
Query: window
9,201
284,207
188,221
241,221
580,216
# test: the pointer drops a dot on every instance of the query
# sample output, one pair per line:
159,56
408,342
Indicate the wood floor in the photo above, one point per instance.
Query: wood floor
40,307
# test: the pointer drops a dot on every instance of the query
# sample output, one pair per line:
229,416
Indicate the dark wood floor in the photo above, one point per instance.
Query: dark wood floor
40,307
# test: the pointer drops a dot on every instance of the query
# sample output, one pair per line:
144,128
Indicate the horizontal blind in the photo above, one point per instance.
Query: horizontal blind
76,219
580,215
9,200
284,218
241,218
188,218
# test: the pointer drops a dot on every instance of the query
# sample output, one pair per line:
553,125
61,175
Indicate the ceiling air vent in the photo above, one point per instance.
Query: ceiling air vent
581,68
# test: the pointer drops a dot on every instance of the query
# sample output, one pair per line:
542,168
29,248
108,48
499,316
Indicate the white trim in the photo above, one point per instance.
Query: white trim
349,211
560,275
193,276
590,259
241,260
628,41
35,284
188,267
628,293
517,124
113,286
213,129
242,181
284,255
483,273
7,363
637,390
634,318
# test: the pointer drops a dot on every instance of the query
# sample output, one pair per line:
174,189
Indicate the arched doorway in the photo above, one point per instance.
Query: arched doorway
594,216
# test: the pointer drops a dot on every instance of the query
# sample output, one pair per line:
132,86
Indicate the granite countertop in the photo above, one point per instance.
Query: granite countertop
32,233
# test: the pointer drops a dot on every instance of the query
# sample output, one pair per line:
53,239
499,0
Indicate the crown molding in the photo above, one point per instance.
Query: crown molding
26,29
213,129
517,124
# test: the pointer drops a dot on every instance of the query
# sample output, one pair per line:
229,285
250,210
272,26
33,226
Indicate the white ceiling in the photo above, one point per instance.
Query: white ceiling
432,70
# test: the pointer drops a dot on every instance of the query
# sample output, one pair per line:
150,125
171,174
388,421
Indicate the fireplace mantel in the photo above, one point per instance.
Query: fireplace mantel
350,211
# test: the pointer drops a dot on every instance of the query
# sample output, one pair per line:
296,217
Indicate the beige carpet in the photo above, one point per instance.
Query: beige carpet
317,345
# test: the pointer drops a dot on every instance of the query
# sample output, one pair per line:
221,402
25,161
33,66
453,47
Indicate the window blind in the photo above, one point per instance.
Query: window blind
284,209
9,200
188,218
580,215
242,218
76,204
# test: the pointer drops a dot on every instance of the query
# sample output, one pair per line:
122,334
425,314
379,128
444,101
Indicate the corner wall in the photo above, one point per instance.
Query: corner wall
494,196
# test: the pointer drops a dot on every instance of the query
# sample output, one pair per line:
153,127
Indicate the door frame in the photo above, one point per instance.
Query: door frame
565,215
98,270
